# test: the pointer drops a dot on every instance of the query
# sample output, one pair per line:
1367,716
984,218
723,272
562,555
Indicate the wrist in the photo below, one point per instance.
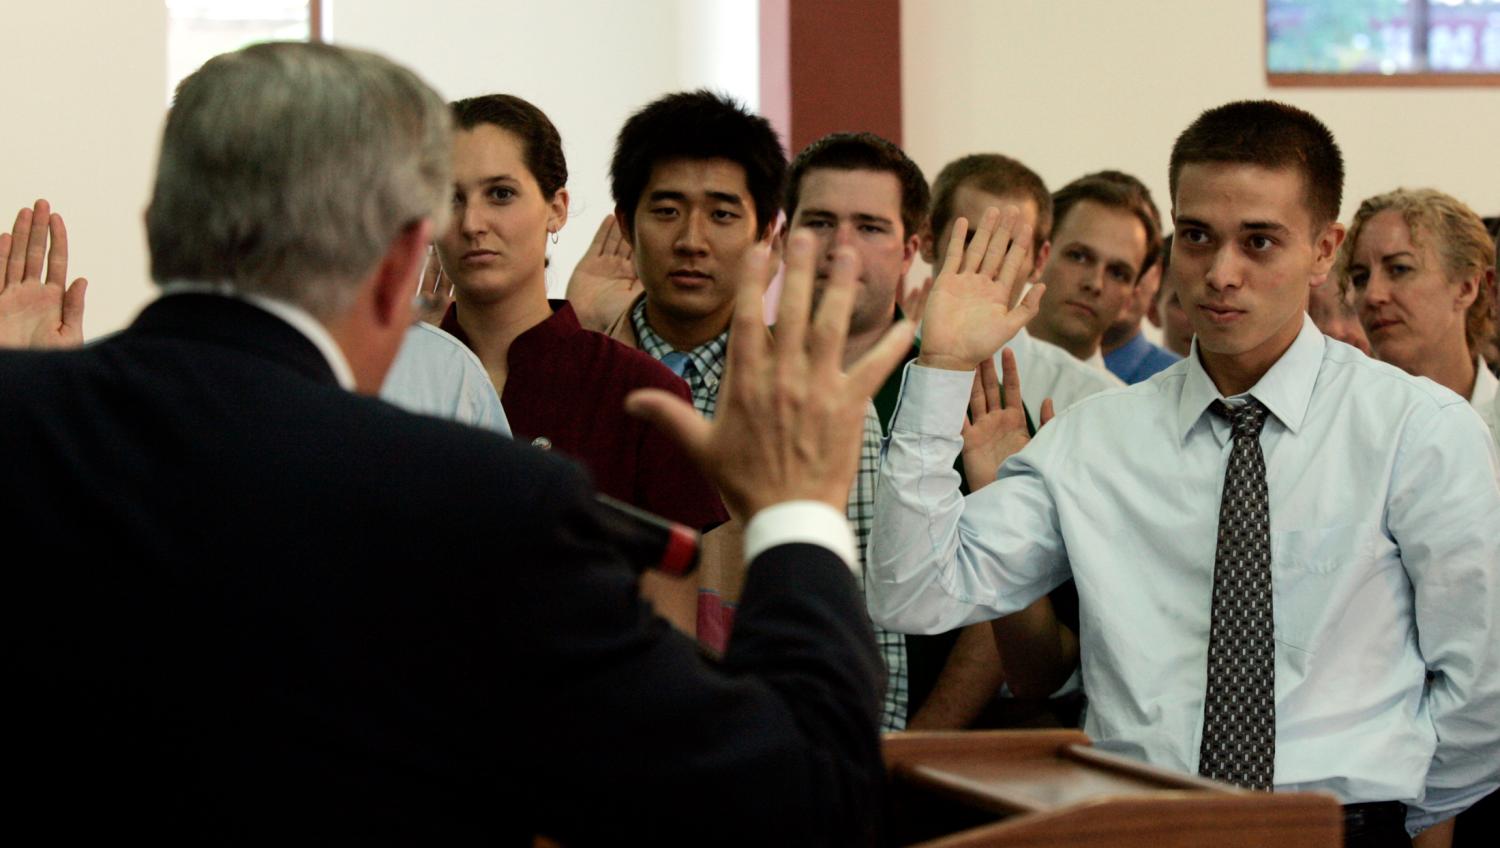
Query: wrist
809,522
945,362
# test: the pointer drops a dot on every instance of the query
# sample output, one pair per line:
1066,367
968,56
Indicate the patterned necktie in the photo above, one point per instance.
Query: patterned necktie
1239,706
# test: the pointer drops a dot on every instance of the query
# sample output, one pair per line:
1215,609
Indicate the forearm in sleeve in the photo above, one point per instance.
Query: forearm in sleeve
1444,511
935,557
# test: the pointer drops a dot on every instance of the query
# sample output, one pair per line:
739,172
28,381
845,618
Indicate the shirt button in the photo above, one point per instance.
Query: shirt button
542,442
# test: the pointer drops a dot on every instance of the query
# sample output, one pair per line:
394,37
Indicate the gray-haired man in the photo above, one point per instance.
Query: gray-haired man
239,630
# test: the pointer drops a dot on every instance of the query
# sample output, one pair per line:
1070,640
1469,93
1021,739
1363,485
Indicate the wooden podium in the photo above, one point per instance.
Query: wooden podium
1052,788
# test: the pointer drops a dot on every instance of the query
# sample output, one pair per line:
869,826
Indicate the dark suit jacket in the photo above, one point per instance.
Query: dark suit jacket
246,604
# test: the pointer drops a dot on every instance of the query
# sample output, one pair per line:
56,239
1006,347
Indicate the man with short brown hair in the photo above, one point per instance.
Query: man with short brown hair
964,189
1218,582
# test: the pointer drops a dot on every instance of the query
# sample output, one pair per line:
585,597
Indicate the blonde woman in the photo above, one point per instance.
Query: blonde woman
1421,268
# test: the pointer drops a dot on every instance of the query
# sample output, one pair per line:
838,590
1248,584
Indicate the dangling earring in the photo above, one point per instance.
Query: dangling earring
554,236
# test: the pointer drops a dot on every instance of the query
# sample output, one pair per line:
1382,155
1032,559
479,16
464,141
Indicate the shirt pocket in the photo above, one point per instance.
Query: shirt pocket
1312,571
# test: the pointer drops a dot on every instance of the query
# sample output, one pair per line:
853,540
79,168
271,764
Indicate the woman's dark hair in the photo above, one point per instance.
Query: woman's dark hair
541,146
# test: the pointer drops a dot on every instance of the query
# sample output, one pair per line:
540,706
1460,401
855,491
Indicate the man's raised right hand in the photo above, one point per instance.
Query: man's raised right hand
790,420
968,316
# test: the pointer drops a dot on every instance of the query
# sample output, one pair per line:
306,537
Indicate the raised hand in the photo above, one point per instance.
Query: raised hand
604,282
38,312
968,316
996,427
790,418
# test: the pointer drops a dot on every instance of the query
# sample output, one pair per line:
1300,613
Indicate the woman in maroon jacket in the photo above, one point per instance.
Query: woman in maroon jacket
563,387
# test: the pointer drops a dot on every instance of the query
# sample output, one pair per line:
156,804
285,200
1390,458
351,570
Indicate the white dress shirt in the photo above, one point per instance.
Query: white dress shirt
1486,398
435,374
1096,362
1385,537
1048,371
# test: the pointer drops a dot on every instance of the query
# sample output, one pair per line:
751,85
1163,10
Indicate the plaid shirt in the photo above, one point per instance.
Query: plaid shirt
705,368
861,511
705,362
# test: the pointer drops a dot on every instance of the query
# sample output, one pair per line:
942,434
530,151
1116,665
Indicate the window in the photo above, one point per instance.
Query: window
198,30
1383,42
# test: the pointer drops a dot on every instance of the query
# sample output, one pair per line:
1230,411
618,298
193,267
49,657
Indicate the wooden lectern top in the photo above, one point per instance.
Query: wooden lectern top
1052,788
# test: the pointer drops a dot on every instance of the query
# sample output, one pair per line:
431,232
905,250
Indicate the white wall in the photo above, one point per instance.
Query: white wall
1068,86
587,63
1072,86
83,126
83,120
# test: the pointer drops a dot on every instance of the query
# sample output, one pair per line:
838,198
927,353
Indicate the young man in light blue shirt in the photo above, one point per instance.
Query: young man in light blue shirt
1368,621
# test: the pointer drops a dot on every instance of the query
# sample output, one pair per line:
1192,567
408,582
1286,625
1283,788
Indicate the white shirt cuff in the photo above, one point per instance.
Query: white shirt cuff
809,522
933,401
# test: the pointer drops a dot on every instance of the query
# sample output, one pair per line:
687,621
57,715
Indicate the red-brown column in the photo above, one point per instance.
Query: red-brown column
829,66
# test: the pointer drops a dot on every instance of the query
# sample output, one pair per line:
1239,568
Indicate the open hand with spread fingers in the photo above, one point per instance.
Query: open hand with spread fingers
604,281
38,311
790,418
968,316
996,426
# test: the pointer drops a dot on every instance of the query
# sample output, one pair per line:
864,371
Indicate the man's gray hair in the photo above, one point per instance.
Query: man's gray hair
288,168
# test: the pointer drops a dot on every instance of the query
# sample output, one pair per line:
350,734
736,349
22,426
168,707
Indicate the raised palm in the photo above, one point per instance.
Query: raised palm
996,426
38,312
968,315
604,281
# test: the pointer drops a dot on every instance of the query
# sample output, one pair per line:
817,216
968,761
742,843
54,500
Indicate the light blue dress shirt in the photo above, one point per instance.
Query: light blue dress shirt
1385,534
434,374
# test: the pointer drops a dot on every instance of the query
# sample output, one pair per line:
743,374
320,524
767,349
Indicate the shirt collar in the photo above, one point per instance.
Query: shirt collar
300,320
707,358
1096,361
560,326
1286,389
1486,384
1020,343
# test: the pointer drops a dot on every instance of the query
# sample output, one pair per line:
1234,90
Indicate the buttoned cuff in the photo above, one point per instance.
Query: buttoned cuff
806,522
933,401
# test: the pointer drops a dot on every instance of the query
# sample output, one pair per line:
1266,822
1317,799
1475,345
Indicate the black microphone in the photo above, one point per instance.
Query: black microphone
646,540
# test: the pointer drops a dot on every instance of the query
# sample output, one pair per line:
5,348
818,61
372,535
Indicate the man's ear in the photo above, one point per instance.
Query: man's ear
1042,255
909,252
625,229
395,284
1326,249
927,243
776,229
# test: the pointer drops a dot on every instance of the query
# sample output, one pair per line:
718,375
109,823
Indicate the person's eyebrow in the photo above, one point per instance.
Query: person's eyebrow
859,217
868,218
1264,227
1397,255
489,181
680,196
